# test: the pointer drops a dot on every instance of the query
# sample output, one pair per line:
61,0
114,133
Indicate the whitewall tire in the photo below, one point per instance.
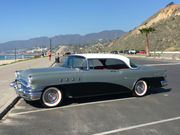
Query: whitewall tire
140,88
51,97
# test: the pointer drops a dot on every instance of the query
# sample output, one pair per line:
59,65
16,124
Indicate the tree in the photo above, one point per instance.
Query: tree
171,3
146,31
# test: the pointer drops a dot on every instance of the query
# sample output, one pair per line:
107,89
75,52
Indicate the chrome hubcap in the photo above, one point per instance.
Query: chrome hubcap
51,96
140,87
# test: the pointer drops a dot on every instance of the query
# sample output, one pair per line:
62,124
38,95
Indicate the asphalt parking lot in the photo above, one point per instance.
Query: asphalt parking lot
158,113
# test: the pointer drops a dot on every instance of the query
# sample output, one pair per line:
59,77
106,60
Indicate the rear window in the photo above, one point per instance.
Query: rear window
132,65
106,64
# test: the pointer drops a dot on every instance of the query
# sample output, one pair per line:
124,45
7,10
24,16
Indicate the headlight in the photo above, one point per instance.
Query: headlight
17,73
29,79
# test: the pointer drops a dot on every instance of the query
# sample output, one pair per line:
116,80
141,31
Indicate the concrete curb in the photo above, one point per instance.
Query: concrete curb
9,107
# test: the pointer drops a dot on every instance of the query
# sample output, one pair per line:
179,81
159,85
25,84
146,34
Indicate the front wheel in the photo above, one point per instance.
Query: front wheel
140,88
51,97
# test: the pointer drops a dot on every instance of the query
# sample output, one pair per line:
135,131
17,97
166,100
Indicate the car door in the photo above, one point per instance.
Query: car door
73,80
103,76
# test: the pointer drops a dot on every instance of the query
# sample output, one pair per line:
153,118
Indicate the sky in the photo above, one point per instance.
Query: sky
25,19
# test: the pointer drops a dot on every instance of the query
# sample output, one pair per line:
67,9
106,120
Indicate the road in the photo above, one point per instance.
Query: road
158,113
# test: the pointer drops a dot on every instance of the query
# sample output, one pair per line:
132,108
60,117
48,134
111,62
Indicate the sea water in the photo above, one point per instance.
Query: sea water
11,57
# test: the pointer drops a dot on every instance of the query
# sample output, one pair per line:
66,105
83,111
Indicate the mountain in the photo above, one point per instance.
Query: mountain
166,37
73,39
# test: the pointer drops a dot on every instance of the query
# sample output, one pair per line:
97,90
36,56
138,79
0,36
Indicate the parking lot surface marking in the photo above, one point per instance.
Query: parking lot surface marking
138,126
76,105
158,113
162,64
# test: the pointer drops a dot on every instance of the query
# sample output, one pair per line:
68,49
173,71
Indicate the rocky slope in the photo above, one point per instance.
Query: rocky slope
166,37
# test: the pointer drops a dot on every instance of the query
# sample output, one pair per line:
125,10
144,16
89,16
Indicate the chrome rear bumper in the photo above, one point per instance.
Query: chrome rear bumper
164,83
26,92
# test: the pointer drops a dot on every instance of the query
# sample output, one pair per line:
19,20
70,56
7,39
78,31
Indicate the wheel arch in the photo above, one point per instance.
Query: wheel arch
60,87
147,80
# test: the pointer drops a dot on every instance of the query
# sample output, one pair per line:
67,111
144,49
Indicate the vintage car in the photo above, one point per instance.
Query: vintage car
86,75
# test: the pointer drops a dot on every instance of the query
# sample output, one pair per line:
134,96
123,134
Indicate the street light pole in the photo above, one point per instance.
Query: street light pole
50,46
15,54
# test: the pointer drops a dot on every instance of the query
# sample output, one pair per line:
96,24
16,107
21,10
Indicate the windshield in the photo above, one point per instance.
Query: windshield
75,62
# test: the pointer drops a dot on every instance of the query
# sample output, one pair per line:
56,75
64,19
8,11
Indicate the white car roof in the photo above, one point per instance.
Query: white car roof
104,56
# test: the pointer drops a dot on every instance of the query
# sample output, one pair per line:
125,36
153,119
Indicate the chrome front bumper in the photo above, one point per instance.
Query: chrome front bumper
26,92
164,83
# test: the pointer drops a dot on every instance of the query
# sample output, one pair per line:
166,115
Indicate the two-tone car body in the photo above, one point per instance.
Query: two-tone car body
87,75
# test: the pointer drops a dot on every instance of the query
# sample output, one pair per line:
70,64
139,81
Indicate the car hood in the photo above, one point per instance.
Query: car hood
50,69
24,74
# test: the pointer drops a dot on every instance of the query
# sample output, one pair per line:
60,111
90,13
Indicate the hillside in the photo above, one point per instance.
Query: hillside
74,39
166,37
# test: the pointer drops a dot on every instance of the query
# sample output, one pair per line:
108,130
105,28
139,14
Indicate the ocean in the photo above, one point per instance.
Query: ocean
11,57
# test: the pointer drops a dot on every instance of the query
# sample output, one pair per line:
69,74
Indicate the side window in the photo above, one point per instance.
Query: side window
75,62
115,64
95,64
67,62
70,62
79,62
91,64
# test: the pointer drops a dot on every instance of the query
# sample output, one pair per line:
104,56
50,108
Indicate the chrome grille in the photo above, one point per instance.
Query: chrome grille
21,83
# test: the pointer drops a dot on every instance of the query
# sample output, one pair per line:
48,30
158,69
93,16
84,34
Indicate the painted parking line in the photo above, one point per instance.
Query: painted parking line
75,105
162,64
138,126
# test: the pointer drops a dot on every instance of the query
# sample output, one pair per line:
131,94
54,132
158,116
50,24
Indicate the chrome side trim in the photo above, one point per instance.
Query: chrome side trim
12,84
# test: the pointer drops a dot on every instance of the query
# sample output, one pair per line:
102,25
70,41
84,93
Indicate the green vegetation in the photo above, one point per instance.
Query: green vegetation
146,31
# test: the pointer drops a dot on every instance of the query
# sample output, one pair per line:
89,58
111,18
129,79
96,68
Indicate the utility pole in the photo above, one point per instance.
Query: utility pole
50,46
50,50
15,54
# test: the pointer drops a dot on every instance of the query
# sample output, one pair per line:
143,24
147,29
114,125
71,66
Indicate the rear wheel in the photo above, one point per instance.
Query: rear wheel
140,88
51,97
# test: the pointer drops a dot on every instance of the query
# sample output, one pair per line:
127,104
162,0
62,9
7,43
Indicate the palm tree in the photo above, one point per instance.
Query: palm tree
146,31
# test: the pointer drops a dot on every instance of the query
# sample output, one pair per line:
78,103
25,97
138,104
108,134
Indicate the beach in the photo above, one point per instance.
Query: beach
7,59
2,62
